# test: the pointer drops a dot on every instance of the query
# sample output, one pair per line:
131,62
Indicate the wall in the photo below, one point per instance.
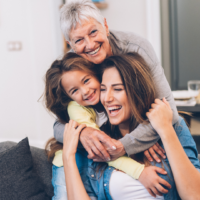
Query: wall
35,24
138,16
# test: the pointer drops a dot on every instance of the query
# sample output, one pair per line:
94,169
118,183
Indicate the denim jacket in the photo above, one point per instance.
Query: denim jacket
97,184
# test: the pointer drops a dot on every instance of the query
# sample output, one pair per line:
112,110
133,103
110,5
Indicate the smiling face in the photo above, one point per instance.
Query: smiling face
81,87
114,98
90,41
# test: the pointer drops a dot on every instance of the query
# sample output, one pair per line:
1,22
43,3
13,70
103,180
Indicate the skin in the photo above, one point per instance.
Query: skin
86,38
81,87
186,176
113,96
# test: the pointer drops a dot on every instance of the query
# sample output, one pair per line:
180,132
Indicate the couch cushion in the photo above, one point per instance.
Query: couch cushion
18,179
41,165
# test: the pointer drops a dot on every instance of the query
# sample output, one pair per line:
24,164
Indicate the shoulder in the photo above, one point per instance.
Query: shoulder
131,42
74,107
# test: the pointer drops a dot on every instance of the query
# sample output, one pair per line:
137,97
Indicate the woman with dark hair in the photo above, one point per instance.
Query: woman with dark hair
127,93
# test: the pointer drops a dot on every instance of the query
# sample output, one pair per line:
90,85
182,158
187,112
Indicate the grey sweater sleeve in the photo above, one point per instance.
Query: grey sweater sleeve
144,136
58,130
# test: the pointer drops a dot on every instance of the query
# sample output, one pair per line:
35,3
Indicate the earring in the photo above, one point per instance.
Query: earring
108,34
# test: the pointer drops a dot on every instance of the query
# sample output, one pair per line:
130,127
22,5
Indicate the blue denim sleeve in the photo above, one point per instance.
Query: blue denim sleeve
187,142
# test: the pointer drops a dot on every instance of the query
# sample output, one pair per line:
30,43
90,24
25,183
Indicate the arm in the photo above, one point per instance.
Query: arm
143,137
58,130
87,116
186,176
72,176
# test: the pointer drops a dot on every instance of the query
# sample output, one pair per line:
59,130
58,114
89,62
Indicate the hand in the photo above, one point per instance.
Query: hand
160,115
96,143
71,138
152,182
151,152
114,153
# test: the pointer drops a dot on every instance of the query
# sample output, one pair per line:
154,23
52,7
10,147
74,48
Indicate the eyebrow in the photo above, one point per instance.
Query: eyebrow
116,84
81,81
78,37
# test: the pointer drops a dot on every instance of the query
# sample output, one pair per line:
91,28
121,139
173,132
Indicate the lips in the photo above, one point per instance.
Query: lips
114,110
94,52
91,96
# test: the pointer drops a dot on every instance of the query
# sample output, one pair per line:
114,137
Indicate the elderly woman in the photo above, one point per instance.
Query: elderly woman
87,32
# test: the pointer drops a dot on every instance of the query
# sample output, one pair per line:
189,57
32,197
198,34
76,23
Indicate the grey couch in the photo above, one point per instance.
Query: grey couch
41,166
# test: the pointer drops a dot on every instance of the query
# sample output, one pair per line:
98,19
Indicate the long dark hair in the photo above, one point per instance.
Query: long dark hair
137,80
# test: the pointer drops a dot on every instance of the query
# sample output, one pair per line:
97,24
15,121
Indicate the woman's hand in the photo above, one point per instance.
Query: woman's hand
71,138
152,182
160,115
151,153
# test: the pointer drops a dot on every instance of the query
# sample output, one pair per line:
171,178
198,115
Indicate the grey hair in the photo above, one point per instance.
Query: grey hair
73,12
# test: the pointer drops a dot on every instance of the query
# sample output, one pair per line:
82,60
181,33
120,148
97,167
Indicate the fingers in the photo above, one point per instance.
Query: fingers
80,128
151,193
146,153
160,147
165,183
161,189
158,150
160,170
154,155
106,140
155,191
90,153
166,102
98,160
103,154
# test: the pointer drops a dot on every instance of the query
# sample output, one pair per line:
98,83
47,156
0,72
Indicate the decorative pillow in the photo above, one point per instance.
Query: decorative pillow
18,181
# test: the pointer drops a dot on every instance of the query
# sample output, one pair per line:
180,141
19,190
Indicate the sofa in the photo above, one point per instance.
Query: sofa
25,172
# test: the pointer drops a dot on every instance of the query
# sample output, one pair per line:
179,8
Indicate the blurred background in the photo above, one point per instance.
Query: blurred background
30,40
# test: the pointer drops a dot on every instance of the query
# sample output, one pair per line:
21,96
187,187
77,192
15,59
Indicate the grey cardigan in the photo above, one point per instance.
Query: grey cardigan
144,136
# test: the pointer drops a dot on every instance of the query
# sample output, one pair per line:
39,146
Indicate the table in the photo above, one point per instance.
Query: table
194,110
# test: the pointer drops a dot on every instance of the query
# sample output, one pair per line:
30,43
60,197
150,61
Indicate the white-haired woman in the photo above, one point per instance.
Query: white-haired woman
87,32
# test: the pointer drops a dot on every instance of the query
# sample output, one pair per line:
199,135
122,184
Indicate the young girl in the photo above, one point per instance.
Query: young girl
73,83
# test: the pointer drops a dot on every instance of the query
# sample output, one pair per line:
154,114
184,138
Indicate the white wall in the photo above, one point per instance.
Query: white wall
138,16
35,24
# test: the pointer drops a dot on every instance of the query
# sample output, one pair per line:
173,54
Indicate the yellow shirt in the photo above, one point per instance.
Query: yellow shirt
87,115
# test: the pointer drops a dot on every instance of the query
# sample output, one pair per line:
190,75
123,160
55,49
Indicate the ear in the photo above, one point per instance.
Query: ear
106,26
68,43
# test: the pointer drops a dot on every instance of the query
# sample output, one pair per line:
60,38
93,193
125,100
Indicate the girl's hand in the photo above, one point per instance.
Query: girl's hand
152,182
151,153
160,115
71,137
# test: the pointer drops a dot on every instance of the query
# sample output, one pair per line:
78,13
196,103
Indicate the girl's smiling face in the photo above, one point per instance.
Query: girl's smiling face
81,87
114,98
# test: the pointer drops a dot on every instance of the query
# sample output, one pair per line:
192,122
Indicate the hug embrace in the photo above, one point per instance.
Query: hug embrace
113,106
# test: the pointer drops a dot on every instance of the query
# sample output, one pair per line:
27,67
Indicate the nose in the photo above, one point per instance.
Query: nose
108,96
85,90
89,43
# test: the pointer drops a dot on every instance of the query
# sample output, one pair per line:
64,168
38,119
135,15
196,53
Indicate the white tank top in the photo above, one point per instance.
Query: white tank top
124,187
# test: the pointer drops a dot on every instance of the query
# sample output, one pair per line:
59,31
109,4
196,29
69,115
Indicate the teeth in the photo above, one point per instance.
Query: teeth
114,108
93,52
90,96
